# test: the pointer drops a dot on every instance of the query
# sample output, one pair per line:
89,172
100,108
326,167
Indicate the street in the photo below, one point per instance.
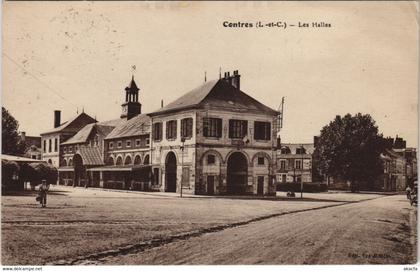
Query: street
81,227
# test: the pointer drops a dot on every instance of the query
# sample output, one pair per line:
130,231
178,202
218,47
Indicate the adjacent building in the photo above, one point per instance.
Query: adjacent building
32,146
51,140
294,163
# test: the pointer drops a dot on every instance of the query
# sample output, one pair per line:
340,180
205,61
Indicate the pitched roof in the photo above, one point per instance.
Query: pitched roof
80,136
138,125
132,86
216,94
103,128
18,158
91,156
66,124
309,147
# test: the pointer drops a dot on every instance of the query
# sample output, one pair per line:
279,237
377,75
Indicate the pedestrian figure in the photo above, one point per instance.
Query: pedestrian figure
408,192
43,193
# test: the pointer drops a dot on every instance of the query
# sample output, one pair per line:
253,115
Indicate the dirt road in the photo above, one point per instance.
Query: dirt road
381,230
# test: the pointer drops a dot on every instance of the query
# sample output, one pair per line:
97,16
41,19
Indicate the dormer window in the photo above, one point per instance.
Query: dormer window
300,150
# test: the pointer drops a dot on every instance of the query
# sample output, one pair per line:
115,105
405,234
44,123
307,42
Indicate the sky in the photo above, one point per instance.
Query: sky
74,56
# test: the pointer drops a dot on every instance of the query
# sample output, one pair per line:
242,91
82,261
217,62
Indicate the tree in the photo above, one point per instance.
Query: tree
349,148
9,135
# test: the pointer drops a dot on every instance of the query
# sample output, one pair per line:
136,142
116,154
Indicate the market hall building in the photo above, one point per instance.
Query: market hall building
110,154
217,140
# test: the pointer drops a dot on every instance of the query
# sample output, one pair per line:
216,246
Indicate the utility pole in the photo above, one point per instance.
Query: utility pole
182,164
301,175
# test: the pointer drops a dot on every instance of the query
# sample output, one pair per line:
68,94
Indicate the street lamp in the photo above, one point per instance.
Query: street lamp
182,163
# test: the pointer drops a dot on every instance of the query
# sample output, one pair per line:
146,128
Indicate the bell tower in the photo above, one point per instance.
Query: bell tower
131,107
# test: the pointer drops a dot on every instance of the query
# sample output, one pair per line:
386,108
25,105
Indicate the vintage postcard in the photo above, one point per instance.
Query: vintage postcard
209,133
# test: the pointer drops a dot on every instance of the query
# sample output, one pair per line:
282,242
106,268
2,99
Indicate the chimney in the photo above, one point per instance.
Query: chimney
57,118
236,80
22,136
161,103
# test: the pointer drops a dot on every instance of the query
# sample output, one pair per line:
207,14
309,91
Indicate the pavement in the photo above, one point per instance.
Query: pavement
378,231
94,226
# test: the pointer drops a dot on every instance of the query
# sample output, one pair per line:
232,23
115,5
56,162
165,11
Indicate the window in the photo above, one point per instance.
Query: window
119,161
119,144
282,164
76,148
127,160
64,149
285,150
111,145
55,144
70,149
298,164
128,143
146,160
300,150
283,178
211,159
49,145
110,161
262,130
147,142
137,142
171,129
157,131
96,141
212,127
238,128
261,160
186,127
137,160
45,145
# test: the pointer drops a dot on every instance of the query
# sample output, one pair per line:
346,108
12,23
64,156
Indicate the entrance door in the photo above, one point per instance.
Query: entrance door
78,169
170,172
260,185
210,185
237,174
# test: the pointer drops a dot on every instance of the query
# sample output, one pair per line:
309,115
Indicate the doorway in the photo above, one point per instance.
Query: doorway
210,185
170,172
237,174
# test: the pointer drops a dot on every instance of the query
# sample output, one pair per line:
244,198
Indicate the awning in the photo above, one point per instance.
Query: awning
120,168
68,168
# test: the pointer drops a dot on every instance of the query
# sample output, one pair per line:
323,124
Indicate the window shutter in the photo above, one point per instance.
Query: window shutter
269,131
231,128
219,127
245,128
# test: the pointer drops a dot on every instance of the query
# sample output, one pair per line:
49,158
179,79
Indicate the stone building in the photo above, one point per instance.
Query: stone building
216,139
51,140
114,153
294,163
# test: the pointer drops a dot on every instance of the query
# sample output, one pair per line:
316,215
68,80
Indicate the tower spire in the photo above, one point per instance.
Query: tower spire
220,72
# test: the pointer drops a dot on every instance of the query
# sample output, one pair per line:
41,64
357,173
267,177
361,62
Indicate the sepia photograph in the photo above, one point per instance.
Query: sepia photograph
232,133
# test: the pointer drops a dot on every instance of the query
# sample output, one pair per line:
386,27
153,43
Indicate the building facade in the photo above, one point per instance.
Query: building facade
214,139
294,163
110,154
51,140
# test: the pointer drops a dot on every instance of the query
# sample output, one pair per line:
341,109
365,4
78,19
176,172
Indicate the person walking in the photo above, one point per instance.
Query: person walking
43,193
